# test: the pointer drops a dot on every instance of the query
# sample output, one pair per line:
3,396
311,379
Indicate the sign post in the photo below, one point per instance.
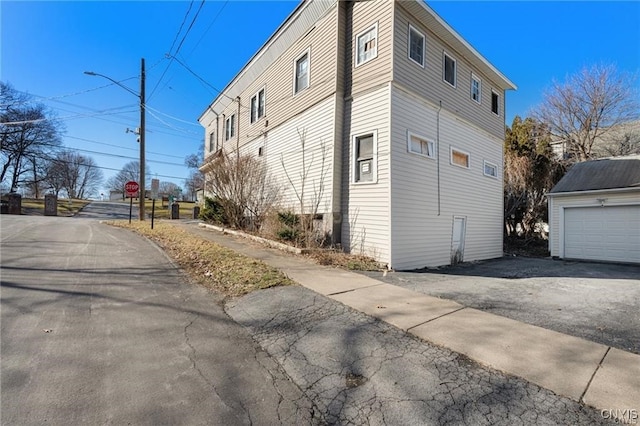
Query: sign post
131,189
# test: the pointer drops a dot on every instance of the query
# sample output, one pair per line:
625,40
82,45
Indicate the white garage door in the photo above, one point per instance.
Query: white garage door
602,233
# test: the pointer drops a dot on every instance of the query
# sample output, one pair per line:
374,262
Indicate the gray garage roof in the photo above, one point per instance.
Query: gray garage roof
607,173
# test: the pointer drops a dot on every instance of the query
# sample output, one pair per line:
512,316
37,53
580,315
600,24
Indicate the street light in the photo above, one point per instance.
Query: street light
141,96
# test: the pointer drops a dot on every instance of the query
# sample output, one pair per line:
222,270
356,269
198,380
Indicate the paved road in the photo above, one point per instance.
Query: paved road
98,327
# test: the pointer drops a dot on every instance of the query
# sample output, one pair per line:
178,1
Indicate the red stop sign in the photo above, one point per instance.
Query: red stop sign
131,189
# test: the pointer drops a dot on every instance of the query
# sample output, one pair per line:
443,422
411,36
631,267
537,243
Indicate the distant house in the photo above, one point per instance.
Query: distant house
594,211
403,122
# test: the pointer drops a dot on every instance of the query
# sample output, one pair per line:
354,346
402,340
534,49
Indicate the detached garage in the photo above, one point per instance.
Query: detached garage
594,211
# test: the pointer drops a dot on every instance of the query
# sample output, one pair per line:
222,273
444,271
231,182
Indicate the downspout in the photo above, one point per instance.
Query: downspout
438,151
238,129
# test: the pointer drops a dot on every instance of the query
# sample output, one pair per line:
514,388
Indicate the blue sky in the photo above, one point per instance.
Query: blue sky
46,46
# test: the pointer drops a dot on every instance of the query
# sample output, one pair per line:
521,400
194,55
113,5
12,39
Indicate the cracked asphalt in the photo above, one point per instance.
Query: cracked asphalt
361,371
99,327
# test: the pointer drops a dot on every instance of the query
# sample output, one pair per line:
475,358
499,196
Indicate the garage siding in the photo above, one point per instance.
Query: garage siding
559,205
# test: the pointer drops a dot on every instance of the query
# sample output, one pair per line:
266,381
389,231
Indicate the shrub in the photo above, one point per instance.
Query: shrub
214,211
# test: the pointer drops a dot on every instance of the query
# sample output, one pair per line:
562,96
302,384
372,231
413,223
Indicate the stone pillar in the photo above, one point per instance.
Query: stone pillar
15,203
196,212
175,211
50,205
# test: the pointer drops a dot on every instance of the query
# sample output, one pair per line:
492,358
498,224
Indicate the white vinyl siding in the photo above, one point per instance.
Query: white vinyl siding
366,45
416,46
421,213
559,204
428,82
365,223
283,153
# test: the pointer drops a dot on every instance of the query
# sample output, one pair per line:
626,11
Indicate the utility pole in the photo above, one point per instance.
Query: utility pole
142,194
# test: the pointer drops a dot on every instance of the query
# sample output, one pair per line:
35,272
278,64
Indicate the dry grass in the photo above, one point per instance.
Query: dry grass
352,262
210,264
35,206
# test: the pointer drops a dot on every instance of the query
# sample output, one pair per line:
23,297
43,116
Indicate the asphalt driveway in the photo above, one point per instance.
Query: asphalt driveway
596,301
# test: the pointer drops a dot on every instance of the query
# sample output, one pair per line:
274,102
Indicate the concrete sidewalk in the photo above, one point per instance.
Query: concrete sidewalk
600,376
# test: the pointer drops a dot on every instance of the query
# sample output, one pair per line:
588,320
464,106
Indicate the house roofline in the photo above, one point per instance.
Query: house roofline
510,85
305,3
593,191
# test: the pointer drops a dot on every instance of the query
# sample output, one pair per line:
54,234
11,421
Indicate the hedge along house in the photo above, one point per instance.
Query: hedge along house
594,211
402,122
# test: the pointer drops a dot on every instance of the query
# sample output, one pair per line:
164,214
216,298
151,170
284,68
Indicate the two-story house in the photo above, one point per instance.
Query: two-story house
402,122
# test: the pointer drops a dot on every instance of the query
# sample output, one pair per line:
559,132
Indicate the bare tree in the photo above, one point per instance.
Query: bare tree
73,173
243,187
588,105
195,181
29,136
129,172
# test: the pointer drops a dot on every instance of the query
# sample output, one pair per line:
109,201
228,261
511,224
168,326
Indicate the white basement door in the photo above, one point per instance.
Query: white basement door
609,234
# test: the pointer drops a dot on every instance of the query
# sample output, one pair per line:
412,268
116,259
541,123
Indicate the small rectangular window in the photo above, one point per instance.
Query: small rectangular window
230,127
449,70
459,158
301,73
421,145
260,151
476,88
416,46
366,45
364,156
212,147
490,169
257,106
495,100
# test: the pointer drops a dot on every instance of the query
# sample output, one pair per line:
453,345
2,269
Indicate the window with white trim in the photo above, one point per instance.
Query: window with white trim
257,106
495,102
367,45
449,69
416,46
301,73
490,169
460,158
230,127
476,88
421,145
212,147
364,158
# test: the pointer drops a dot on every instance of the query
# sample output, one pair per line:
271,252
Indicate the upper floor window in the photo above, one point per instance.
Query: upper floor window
449,70
301,73
212,147
364,152
367,45
476,88
459,158
257,106
495,101
421,145
230,127
416,46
